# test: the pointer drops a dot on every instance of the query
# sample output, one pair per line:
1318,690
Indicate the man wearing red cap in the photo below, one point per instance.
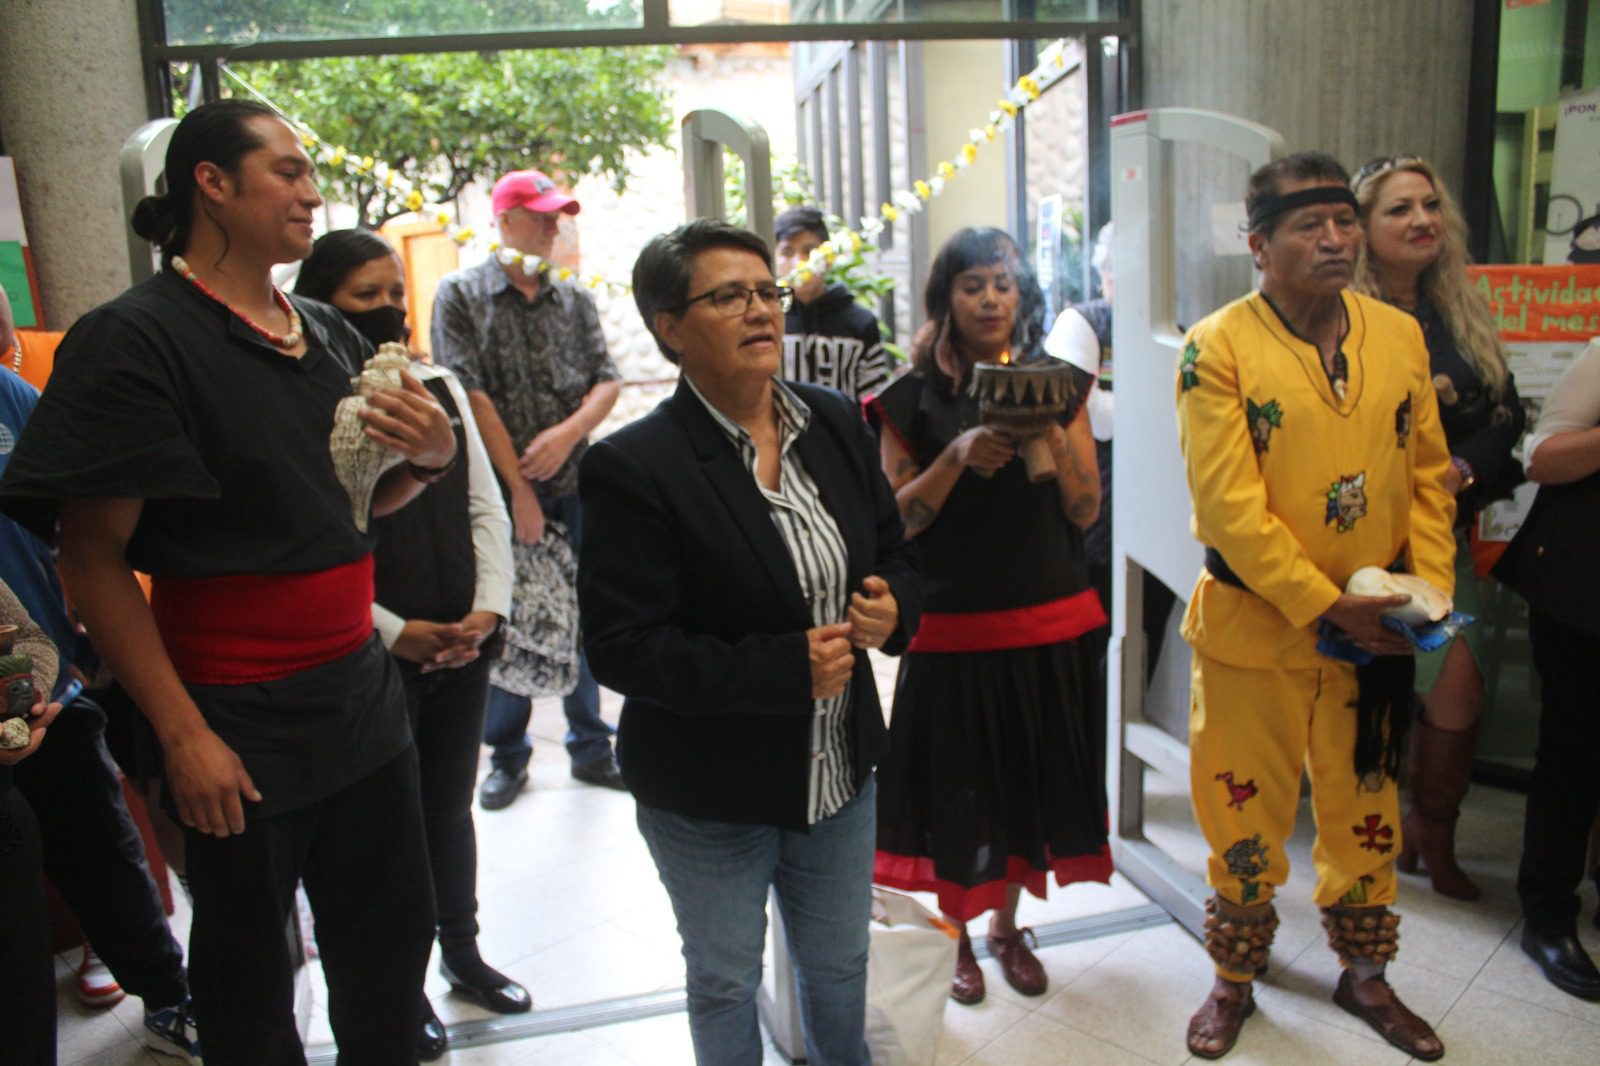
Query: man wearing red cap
531,354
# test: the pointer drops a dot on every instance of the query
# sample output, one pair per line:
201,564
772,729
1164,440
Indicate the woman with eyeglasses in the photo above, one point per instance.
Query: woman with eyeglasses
1415,257
740,553
995,776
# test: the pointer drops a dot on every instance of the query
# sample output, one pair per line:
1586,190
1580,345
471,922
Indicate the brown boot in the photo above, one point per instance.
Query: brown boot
967,985
1440,770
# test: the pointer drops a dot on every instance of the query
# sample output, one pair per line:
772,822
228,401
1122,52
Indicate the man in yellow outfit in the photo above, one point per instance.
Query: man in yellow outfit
1313,447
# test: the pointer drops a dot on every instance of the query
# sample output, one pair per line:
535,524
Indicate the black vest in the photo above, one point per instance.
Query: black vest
424,565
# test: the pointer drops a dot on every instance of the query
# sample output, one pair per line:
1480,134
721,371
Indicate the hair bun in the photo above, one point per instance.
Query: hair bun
154,218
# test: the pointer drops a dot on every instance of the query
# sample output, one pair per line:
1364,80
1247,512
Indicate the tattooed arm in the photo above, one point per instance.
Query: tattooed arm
921,493
1077,473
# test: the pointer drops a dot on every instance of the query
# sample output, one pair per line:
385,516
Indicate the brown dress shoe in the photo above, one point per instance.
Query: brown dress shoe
1391,1019
967,986
1218,1022
1022,969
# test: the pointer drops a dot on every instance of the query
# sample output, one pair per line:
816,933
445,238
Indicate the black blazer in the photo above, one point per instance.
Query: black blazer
692,609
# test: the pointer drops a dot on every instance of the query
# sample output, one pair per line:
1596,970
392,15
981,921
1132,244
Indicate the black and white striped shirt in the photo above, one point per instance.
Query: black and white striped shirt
814,542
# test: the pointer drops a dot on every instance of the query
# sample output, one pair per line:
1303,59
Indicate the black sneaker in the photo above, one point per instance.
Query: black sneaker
171,1031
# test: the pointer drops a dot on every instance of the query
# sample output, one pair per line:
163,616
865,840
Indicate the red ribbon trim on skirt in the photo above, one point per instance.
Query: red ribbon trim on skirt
1018,627
915,873
247,628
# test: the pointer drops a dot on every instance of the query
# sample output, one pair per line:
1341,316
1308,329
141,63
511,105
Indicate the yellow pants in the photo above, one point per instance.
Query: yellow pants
1250,733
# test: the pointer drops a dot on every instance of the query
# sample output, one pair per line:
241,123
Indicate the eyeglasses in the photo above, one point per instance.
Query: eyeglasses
1373,167
734,299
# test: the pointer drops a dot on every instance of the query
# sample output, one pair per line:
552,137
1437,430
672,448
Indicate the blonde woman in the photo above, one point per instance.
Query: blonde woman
1415,258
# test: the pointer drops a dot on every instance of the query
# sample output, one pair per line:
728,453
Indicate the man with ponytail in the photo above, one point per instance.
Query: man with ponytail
280,717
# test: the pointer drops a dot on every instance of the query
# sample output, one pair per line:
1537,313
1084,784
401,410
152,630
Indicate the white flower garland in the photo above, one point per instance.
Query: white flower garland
1028,88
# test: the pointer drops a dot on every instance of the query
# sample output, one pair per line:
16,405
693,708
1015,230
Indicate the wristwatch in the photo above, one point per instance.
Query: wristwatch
1469,477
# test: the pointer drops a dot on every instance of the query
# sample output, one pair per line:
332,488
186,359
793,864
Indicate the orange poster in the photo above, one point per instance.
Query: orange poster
1542,303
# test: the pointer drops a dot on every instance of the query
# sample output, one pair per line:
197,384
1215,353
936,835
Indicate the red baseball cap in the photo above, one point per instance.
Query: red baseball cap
531,189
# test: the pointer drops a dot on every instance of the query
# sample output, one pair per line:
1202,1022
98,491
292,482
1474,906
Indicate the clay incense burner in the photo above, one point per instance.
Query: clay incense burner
1023,402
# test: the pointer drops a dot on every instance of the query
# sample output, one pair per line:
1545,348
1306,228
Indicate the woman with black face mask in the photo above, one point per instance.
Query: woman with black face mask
443,587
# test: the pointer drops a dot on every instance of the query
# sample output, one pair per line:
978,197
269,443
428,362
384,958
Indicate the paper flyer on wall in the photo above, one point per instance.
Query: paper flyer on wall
1572,224
1545,316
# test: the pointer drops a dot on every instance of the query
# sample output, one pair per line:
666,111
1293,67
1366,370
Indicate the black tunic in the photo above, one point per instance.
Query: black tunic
165,396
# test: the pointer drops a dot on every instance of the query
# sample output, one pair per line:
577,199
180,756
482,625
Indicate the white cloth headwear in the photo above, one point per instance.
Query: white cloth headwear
1072,340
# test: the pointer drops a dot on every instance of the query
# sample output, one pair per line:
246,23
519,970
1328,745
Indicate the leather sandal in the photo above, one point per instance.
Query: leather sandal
1220,1018
1021,967
1392,1020
967,986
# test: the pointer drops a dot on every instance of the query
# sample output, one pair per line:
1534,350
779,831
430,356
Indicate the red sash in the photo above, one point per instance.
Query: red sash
246,628
1019,627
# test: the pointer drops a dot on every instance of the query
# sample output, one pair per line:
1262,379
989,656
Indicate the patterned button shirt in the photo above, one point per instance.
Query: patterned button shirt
822,564
536,359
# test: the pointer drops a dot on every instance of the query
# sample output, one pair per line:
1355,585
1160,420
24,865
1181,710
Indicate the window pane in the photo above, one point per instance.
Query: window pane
814,12
246,21
250,21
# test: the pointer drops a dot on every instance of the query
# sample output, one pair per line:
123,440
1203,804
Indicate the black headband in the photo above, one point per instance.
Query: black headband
1273,206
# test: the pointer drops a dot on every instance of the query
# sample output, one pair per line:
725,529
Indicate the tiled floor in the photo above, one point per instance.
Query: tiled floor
571,907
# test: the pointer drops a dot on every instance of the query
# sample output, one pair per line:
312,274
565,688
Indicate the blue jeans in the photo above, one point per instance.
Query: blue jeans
505,726
717,875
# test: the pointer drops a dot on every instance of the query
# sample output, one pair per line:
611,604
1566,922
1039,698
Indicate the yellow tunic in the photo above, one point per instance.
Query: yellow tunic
1298,487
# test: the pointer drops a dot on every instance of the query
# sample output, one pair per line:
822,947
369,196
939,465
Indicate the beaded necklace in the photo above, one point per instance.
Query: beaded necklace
290,339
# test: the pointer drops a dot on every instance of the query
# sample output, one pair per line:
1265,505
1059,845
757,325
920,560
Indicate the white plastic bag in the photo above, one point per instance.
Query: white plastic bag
910,959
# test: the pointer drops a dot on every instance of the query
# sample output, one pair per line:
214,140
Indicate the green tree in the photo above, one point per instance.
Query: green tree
449,119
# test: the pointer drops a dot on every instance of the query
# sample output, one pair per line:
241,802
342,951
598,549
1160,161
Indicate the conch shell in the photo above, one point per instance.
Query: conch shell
358,460
1427,604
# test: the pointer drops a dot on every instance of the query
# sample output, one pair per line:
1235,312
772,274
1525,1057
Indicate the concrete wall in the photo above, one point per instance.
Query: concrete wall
963,81
71,92
1356,79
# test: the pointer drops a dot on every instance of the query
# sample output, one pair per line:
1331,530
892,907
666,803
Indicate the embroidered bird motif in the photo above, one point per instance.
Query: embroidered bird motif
1240,792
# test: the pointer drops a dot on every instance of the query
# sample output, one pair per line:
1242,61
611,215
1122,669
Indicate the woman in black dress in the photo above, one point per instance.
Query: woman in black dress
995,775
1415,258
